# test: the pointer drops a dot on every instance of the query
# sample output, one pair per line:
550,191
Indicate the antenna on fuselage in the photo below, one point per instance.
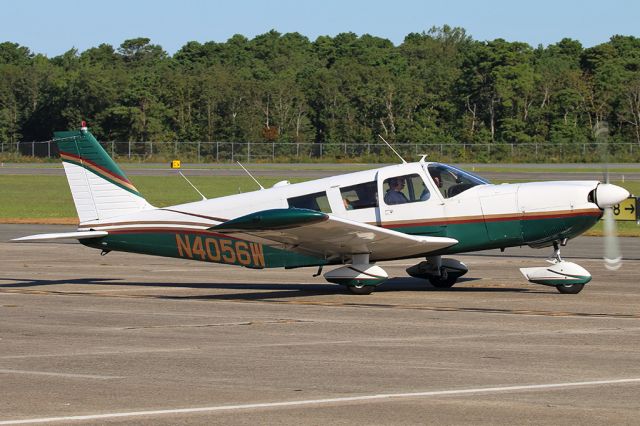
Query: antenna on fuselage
394,151
250,175
192,185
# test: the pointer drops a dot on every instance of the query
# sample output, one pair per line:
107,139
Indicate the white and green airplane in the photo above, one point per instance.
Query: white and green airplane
410,210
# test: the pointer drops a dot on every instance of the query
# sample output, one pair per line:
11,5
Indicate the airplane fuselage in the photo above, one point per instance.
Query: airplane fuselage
455,204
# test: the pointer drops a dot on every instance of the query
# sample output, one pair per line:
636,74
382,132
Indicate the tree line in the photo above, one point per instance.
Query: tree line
438,86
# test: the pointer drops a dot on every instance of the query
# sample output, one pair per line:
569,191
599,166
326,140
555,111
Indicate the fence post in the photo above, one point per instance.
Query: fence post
48,149
198,156
233,146
129,150
297,150
321,145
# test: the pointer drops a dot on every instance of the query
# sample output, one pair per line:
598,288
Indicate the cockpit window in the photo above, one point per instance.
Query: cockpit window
452,181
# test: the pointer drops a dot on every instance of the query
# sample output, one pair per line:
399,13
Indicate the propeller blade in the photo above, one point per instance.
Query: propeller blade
609,195
612,254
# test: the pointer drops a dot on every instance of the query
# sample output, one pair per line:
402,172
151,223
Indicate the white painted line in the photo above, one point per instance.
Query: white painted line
97,353
49,373
387,396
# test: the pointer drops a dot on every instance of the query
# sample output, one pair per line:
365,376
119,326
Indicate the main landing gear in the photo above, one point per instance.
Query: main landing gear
441,273
360,277
566,277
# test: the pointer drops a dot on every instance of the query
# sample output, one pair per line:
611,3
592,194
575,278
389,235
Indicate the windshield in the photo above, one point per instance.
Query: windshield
452,181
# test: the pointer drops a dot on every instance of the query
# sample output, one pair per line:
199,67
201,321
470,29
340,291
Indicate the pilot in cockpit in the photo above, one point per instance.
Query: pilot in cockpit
394,194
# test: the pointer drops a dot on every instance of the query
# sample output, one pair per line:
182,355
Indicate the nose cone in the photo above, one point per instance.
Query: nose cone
608,195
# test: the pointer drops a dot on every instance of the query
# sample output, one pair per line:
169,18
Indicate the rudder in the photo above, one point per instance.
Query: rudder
100,189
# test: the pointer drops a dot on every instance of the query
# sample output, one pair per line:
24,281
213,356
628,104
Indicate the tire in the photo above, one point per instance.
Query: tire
361,289
439,282
570,288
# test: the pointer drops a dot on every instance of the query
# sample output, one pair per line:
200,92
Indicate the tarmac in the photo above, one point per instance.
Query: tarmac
126,338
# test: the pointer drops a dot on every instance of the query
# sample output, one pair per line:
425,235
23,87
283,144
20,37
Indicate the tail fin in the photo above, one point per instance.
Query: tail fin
100,189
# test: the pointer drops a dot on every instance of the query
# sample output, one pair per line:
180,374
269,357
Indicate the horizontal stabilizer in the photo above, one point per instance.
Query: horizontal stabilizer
79,235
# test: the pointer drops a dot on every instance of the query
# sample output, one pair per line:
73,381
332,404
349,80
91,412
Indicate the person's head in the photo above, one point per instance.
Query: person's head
396,184
437,179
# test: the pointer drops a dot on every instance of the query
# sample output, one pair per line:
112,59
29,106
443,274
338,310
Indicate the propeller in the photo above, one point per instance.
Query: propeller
607,196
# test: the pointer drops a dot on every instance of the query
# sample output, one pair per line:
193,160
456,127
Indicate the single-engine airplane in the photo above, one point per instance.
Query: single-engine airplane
410,210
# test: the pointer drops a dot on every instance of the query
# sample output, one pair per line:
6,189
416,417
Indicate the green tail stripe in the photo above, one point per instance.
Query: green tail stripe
83,144
83,149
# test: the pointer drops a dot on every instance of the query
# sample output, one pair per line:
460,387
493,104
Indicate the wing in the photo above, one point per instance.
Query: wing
327,236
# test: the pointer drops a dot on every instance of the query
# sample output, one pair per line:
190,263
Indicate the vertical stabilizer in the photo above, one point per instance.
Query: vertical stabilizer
100,189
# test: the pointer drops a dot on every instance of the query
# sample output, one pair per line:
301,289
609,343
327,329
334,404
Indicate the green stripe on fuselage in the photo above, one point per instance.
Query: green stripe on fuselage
213,247
202,246
473,236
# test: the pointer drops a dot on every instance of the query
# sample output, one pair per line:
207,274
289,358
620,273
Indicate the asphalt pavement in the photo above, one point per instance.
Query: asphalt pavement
124,338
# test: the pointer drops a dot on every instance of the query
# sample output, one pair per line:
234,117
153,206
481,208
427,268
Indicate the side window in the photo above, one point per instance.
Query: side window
318,202
405,189
361,196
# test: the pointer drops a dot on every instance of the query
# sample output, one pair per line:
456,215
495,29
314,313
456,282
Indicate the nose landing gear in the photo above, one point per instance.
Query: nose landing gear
566,277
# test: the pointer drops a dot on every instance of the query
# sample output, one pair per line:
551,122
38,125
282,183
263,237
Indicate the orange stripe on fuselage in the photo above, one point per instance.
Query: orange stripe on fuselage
494,218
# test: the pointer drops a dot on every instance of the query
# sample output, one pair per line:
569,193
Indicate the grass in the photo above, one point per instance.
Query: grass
38,198
46,199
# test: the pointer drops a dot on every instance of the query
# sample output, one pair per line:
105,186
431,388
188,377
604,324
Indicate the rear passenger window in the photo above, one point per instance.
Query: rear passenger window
318,202
361,196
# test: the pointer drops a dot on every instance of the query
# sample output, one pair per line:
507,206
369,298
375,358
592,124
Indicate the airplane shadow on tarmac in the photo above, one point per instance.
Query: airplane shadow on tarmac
263,291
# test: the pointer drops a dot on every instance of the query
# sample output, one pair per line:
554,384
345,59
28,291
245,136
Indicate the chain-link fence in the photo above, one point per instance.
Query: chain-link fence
208,152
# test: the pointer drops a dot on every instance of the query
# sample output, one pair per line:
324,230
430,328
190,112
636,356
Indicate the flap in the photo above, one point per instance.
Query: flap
327,236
